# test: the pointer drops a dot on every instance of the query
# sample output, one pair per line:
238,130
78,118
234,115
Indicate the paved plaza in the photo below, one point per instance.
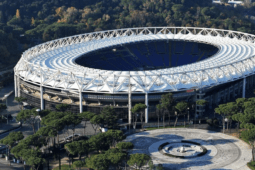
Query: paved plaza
223,151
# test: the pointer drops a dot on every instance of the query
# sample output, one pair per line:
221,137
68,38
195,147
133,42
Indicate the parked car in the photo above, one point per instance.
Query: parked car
70,138
27,107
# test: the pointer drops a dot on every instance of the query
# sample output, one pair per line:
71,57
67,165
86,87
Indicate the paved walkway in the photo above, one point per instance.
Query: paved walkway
223,151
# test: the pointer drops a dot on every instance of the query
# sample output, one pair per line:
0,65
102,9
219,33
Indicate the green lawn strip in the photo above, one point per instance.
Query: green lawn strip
251,165
64,167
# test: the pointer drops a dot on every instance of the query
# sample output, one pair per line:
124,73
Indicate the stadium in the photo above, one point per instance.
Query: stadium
122,67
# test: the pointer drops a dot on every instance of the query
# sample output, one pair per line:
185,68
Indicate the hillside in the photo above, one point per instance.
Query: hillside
43,20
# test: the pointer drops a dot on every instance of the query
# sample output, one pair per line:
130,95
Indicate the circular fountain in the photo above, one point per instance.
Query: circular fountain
183,149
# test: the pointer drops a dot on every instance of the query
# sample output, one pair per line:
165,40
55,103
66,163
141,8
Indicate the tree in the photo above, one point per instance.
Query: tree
86,116
115,157
221,110
151,165
167,102
159,109
72,119
125,146
78,147
100,142
139,108
232,108
28,150
34,158
109,117
78,164
35,141
240,103
20,100
177,8
11,140
55,121
227,110
62,107
114,136
98,162
96,121
47,132
250,136
138,160
181,107
44,113
29,117
201,102
19,150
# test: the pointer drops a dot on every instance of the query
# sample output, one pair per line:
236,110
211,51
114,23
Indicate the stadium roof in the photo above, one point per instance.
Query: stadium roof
52,64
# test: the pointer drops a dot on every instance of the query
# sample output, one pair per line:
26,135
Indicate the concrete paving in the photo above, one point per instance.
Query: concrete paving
223,151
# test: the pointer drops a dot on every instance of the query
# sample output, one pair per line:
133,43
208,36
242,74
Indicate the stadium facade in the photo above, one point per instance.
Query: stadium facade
137,65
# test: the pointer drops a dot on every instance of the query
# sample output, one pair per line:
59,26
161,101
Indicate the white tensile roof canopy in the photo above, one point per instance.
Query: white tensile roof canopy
52,64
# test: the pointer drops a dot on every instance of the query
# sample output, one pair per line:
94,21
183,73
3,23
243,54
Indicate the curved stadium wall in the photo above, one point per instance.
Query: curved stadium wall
127,66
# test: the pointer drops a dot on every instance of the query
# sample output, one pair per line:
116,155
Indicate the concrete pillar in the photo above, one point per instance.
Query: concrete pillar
80,98
147,109
42,100
244,82
129,105
18,86
15,86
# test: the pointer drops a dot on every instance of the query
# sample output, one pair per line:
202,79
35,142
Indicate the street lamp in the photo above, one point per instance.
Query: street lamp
175,117
6,97
38,117
188,114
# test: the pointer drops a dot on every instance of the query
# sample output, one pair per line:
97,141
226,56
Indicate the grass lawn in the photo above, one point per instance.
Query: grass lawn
251,165
166,127
64,167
